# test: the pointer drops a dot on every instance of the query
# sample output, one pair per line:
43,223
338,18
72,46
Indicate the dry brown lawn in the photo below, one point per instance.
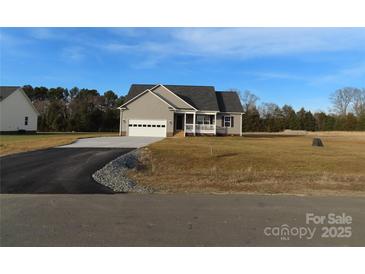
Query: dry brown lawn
269,164
10,144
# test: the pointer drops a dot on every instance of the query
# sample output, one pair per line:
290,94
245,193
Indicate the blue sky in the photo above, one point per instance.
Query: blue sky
298,66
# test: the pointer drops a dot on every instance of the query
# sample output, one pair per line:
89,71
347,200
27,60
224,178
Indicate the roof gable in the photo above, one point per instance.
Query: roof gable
145,92
171,97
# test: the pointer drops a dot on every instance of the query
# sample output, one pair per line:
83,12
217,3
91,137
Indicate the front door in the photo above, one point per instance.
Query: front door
179,122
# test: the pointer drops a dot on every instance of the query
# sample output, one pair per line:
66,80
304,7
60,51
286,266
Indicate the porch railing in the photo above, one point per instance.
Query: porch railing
189,128
200,128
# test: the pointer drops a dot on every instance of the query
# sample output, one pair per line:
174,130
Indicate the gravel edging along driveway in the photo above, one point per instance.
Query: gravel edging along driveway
114,174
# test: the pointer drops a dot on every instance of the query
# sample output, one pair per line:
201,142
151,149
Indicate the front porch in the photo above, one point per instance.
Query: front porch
195,124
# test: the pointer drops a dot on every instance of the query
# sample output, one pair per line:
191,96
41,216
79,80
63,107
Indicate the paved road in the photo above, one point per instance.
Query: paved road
113,142
169,220
55,170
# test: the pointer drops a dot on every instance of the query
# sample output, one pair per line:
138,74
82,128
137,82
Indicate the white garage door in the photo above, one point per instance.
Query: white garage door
151,128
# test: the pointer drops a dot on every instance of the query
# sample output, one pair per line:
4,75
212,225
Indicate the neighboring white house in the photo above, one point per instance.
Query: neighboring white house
17,113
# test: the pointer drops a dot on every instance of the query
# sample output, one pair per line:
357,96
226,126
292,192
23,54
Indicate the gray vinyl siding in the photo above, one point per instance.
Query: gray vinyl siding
148,107
171,98
235,130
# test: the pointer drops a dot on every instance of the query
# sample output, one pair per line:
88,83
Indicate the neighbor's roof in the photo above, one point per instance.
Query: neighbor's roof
5,91
200,97
229,101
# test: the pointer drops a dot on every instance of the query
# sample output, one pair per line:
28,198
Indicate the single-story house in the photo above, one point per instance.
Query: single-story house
17,113
165,110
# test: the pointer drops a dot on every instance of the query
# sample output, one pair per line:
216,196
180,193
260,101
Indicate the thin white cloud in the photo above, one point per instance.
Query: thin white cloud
128,32
155,45
273,75
235,43
44,33
116,47
342,76
7,39
257,42
13,45
75,53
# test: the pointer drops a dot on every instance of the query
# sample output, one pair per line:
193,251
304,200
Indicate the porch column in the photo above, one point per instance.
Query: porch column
215,124
194,123
120,122
184,124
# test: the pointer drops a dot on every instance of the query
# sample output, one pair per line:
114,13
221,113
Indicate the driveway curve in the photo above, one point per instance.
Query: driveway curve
113,142
56,171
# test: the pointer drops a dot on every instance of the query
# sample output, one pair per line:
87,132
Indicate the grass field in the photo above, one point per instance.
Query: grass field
10,144
264,164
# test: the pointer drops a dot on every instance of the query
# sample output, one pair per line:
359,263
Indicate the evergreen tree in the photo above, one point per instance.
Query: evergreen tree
290,118
350,122
361,122
301,119
251,121
309,121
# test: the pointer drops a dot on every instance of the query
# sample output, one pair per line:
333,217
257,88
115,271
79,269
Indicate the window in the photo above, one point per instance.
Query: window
26,120
227,121
205,119
199,119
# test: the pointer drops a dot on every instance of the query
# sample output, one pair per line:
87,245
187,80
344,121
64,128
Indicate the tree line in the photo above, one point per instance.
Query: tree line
347,113
87,110
75,109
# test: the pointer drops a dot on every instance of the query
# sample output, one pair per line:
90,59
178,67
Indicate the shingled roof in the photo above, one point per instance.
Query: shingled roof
200,97
5,91
228,101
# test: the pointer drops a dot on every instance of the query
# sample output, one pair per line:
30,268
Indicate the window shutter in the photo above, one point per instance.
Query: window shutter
223,121
232,123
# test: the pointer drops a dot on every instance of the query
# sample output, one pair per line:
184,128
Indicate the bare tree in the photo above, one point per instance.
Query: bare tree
359,101
341,100
268,110
248,99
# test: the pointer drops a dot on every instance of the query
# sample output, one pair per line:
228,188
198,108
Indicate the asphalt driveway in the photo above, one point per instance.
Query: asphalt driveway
63,171
113,142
